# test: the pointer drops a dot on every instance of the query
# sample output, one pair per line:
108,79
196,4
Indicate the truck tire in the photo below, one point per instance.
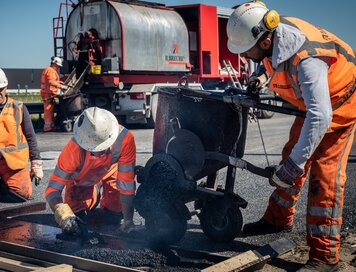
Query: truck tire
265,114
221,220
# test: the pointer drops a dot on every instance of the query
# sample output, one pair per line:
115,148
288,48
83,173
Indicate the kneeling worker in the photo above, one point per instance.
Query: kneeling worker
101,152
18,144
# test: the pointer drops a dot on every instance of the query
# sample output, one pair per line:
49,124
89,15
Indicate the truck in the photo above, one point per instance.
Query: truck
126,50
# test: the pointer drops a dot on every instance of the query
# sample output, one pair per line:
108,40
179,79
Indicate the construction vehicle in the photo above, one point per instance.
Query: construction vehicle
135,47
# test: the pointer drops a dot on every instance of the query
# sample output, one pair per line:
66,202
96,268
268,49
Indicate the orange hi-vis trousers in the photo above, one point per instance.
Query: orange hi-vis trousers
18,181
48,110
327,179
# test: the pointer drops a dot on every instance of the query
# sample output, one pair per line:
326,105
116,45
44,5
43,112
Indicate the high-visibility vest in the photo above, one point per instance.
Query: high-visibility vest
87,170
13,143
341,73
50,81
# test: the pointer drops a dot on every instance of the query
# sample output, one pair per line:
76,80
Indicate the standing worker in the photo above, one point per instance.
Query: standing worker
17,144
100,152
314,70
50,89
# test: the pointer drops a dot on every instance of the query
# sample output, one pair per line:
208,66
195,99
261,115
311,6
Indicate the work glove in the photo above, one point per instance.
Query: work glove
256,81
66,219
286,174
36,172
127,226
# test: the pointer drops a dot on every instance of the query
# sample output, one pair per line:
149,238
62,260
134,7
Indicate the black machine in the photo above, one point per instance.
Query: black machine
70,107
196,134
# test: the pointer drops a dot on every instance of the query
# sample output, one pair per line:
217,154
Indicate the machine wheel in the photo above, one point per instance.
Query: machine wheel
221,220
67,126
166,227
265,114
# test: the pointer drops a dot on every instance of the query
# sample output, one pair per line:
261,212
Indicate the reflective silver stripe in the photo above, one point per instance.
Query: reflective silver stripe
334,213
127,199
53,195
93,178
282,202
291,191
18,135
56,185
15,148
10,105
330,231
332,257
81,164
126,185
126,168
61,173
117,145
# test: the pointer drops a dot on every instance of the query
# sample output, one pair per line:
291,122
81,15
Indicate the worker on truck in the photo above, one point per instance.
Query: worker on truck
315,71
102,153
18,144
50,89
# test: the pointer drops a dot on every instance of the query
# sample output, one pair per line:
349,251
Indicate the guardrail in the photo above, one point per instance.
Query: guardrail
37,107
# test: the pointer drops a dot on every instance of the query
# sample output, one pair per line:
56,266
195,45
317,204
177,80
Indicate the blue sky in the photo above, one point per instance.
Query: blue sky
26,25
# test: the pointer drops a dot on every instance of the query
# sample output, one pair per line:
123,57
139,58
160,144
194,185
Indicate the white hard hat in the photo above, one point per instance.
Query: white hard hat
96,129
57,61
3,79
247,24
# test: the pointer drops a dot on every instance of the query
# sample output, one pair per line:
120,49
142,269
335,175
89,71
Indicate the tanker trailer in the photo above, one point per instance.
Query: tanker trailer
136,47
127,45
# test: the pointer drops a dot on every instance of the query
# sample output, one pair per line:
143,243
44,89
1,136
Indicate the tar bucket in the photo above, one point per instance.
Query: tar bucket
220,127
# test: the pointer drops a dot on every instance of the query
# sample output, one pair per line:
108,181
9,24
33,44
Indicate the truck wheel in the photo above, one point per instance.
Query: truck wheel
166,227
265,114
221,220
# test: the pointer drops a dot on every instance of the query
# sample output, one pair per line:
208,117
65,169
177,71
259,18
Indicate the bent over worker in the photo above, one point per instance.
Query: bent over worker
50,89
18,144
315,71
101,151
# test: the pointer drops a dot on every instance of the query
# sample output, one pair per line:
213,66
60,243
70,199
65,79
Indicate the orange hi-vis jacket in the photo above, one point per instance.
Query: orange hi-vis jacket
341,75
50,81
13,143
76,167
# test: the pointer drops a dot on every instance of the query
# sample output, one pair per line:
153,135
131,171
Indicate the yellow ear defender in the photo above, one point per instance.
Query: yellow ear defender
271,19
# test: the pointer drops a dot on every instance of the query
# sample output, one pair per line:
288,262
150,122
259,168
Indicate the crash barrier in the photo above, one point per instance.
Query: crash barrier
37,107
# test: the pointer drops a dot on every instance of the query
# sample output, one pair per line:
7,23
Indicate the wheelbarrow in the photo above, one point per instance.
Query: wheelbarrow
196,134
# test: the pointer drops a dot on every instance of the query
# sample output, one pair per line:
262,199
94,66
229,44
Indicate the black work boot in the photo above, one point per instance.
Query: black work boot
263,227
112,218
313,265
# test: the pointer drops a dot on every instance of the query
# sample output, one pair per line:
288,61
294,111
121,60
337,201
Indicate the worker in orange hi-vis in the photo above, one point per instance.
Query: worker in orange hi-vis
315,71
17,145
101,155
50,89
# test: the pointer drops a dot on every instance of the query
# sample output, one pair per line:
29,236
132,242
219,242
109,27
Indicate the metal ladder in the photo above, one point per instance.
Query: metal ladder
232,74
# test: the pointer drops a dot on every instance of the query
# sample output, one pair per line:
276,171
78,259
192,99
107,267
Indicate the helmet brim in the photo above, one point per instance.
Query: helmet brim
237,49
3,85
93,147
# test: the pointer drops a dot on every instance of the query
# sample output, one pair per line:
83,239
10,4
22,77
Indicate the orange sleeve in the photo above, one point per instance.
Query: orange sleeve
68,162
126,164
